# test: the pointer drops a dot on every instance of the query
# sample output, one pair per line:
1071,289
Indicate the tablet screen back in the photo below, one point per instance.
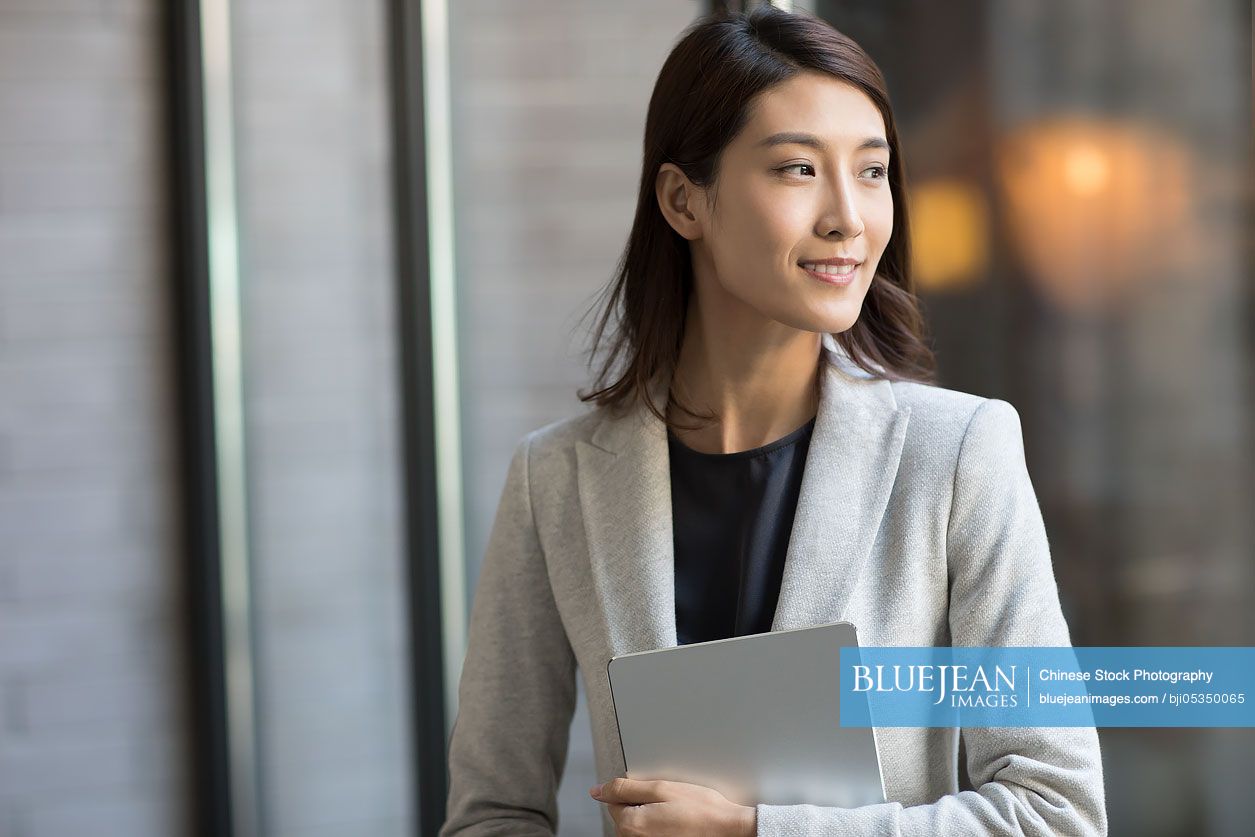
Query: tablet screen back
755,717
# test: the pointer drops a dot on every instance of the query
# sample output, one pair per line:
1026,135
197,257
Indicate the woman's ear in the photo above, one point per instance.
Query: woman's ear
677,198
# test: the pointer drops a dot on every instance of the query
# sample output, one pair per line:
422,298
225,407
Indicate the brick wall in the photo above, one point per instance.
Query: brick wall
90,727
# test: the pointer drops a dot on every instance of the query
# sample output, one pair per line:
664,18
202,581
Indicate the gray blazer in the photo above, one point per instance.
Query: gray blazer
917,521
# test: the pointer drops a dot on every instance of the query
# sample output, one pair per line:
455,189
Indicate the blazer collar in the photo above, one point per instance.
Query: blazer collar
624,484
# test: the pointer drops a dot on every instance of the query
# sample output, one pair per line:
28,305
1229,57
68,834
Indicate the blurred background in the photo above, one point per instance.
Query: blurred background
282,283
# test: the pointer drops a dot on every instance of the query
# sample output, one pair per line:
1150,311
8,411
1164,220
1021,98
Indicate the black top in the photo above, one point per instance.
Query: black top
732,515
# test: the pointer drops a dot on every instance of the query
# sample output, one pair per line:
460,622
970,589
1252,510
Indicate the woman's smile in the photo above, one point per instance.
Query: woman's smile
832,274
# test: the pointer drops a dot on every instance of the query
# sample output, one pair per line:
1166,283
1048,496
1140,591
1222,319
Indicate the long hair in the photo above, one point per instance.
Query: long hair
700,102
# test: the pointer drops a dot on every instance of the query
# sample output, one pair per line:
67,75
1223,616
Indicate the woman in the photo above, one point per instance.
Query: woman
764,292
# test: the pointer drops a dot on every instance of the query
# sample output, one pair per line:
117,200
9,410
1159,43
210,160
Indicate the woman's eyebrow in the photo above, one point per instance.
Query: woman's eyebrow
797,138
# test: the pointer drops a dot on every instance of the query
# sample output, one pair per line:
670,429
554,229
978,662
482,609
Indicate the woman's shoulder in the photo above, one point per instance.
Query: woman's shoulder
561,434
945,418
935,410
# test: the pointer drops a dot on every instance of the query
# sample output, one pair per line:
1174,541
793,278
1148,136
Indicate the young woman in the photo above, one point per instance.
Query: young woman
772,455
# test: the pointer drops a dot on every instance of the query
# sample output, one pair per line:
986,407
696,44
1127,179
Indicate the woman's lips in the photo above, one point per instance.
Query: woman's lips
833,278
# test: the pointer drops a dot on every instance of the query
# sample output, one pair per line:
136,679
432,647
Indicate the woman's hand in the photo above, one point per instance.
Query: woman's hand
673,809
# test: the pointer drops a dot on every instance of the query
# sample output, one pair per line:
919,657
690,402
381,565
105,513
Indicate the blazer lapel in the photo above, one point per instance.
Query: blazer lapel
624,484
624,481
850,470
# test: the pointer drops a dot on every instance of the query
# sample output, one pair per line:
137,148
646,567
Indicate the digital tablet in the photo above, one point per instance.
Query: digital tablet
754,717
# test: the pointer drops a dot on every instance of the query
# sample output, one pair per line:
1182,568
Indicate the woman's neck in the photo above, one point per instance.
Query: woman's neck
761,391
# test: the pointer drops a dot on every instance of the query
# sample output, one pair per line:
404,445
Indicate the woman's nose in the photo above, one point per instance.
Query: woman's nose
844,230
842,217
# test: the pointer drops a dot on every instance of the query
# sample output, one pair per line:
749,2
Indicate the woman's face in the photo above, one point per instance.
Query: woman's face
805,181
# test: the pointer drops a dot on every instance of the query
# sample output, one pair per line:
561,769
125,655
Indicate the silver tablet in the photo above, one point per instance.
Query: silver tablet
754,717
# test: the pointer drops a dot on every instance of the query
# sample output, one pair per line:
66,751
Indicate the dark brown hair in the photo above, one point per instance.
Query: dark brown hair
700,102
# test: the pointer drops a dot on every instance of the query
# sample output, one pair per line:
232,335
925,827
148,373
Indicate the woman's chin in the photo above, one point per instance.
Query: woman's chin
837,321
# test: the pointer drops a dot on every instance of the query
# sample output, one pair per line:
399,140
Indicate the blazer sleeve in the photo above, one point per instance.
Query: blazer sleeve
516,696
1028,780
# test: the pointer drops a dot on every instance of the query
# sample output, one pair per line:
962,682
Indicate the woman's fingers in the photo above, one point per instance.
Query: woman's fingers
632,791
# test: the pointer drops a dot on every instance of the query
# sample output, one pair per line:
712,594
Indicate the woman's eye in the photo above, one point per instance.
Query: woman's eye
806,166
881,172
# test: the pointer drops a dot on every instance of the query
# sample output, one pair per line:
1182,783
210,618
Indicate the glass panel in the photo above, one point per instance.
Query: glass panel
322,417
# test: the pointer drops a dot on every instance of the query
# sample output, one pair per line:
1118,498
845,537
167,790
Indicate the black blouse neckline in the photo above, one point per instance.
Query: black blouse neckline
763,450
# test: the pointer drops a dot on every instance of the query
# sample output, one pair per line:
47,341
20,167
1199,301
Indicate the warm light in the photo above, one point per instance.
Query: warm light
949,234
1086,170
1091,204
